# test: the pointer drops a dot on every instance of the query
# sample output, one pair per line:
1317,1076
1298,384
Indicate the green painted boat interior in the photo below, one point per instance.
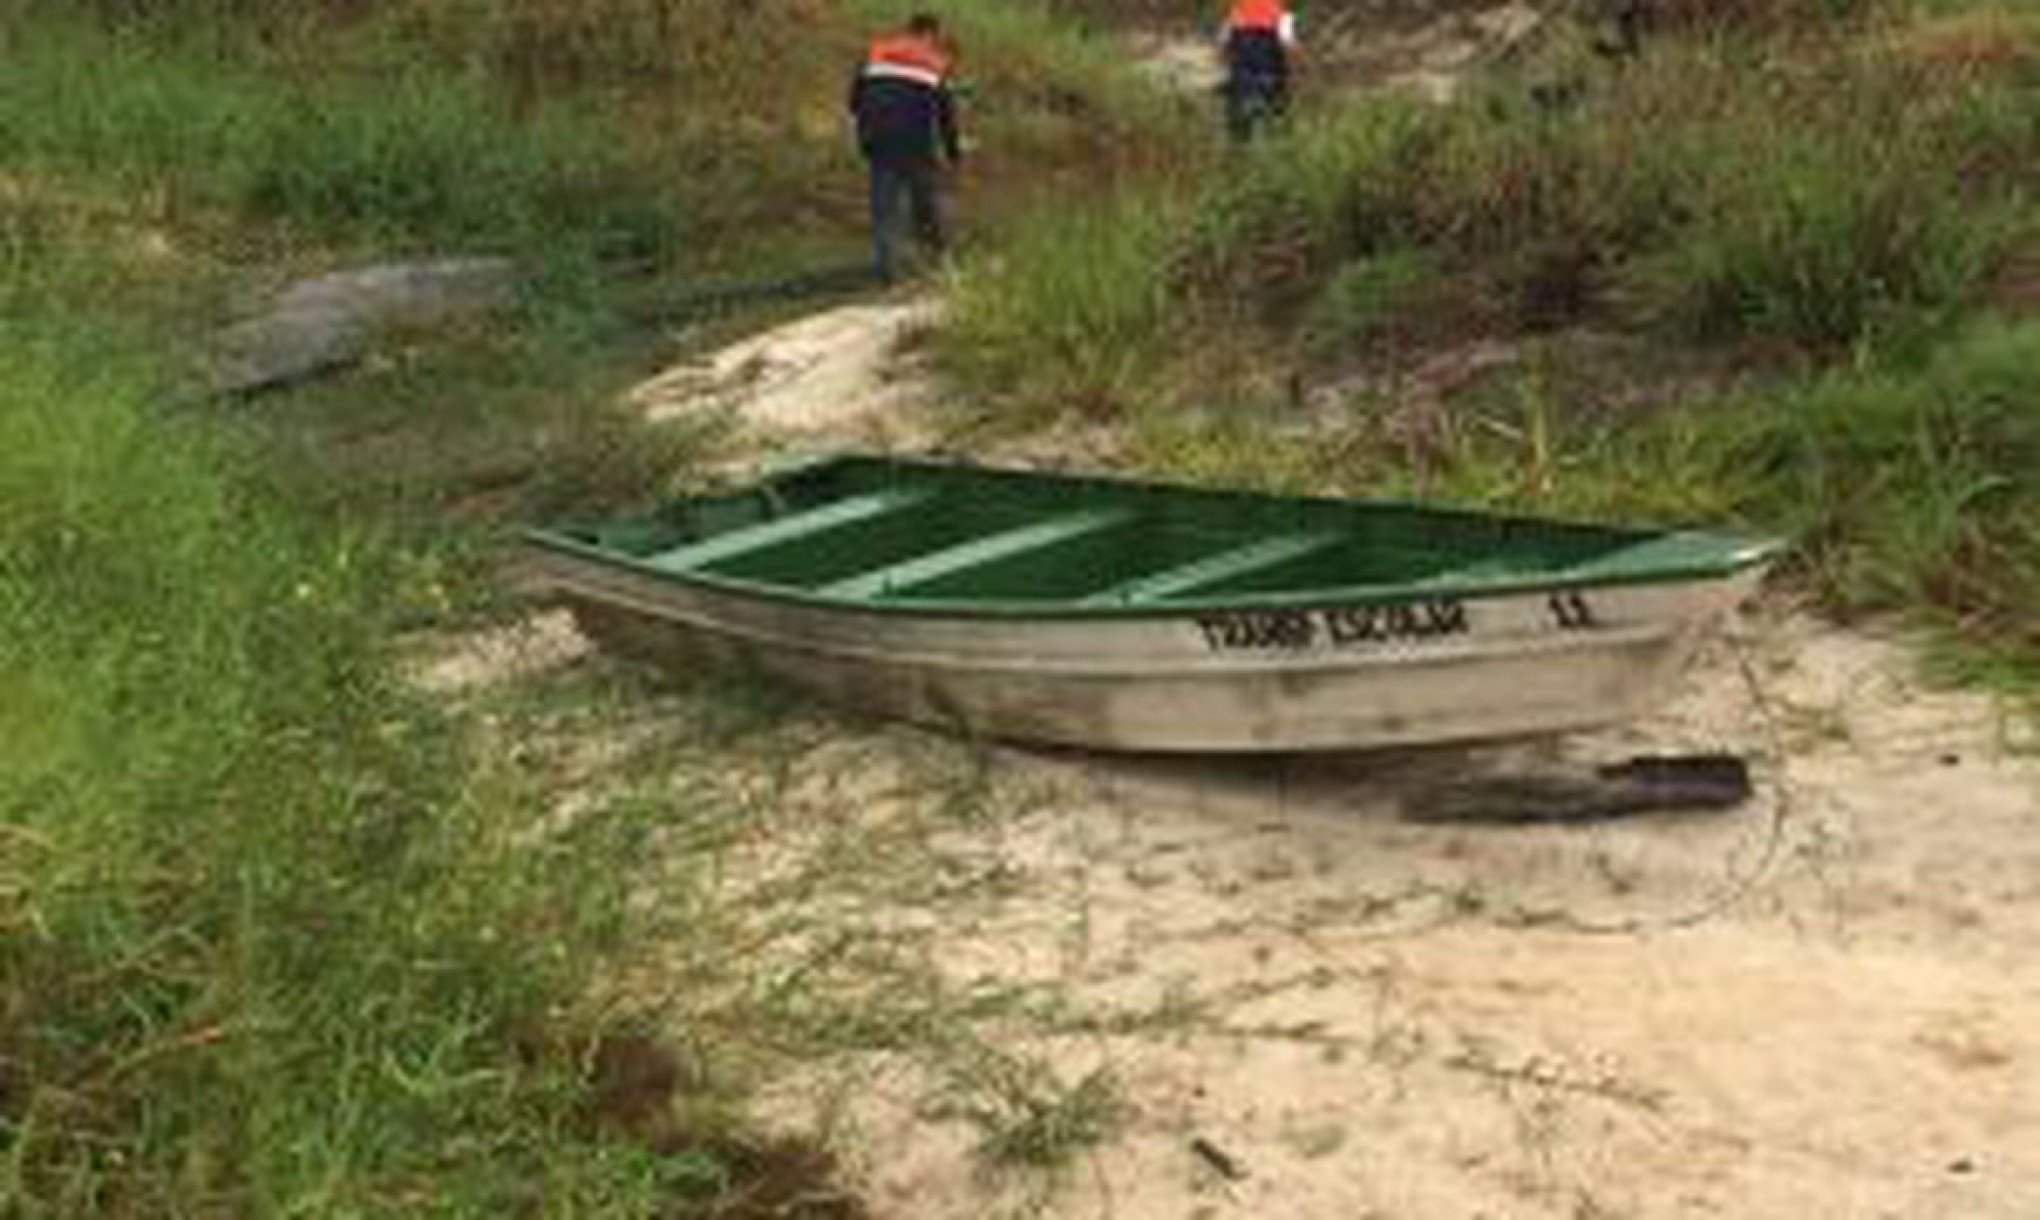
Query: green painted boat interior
889,532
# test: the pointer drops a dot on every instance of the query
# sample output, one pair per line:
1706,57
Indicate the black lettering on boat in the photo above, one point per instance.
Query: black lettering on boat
1573,612
1407,621
1353,625
1447,616
1214,632
1258,630
1340,626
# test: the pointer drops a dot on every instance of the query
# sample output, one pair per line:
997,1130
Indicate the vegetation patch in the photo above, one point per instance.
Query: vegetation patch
1820,204
270,946
405,157
277,935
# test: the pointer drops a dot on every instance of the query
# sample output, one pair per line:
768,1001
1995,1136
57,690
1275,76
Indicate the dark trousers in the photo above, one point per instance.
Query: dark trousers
891,179
1253,99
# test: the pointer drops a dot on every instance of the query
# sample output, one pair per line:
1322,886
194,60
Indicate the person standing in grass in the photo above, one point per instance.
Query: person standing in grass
1258,40
906,123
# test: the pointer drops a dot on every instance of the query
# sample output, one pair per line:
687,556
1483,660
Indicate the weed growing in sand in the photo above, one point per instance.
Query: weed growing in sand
1026,1116
803,931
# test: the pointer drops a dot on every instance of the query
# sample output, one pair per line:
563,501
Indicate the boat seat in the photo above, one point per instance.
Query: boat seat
1211,569
778,530
1006,544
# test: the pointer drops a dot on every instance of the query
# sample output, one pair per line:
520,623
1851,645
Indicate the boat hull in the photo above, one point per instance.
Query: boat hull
1253,680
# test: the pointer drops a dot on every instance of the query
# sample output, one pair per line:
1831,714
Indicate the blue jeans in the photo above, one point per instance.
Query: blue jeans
890,179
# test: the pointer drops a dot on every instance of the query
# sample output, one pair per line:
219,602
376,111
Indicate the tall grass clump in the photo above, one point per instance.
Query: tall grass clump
268,944
1850,201
406,155
1819,195
1916,489
1286,215
1076,316
1909,486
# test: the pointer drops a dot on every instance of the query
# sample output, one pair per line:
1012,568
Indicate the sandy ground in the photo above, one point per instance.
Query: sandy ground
842,375
1828,999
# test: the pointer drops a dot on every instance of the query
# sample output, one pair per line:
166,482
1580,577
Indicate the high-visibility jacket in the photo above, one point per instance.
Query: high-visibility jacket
1269,15
907,57
900,97
1258,36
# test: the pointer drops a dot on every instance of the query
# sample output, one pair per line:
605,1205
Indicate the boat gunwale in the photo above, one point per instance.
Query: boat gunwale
1737,554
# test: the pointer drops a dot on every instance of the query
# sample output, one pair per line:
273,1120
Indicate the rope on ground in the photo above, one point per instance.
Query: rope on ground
1740,884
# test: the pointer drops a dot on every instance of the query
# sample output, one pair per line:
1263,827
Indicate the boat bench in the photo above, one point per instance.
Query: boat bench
1209,570
978,552
791,528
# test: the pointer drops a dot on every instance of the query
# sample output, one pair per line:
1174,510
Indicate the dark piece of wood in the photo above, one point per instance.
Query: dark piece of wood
1685,783
1216,1157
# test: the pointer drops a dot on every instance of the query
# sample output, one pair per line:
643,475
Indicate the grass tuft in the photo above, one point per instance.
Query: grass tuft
1027,1117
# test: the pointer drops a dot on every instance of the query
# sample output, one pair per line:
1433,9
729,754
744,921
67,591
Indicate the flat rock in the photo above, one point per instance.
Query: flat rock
319,324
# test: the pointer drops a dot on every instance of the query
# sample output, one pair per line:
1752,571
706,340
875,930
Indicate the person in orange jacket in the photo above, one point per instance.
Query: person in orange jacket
906,122
1259,40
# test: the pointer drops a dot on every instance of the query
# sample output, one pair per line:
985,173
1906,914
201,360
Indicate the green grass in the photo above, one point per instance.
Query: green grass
1912,489
271,945
1714,192
1907,484
409,156
515,417
274,940
1359,304
1072,311
680,133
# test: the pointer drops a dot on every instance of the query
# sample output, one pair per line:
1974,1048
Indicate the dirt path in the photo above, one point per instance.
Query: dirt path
846,376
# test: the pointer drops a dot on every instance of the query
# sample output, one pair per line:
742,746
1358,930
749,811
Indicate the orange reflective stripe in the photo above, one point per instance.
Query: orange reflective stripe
906,51
1257,15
